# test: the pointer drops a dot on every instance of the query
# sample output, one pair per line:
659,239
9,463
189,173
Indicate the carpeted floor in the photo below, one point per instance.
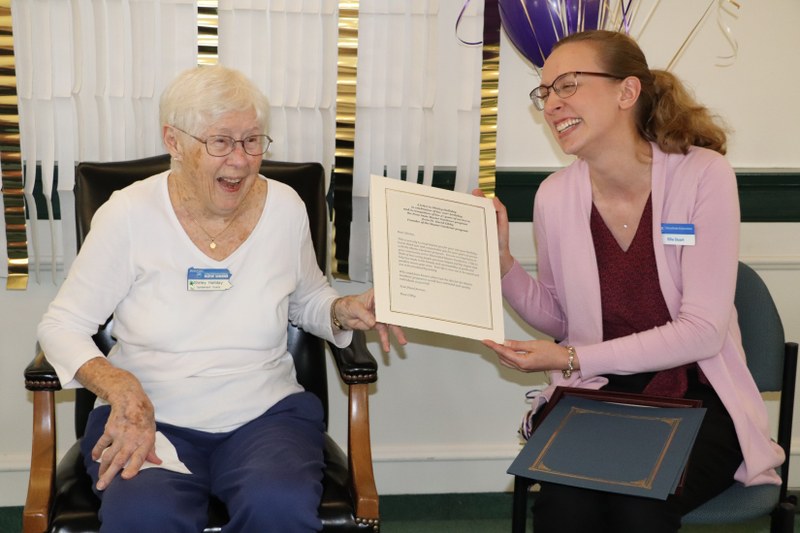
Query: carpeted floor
441,513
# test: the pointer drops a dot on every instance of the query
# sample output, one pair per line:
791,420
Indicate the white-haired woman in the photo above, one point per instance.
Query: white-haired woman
200,385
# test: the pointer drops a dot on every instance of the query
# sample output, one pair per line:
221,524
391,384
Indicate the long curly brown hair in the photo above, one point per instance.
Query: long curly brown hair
666,113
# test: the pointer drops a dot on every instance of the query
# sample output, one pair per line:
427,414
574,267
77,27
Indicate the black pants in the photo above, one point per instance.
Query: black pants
714,459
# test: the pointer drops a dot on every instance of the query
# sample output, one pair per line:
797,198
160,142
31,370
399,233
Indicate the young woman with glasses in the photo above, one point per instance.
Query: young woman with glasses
637,250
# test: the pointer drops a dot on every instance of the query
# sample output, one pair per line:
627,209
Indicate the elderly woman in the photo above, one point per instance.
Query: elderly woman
638,308
202,266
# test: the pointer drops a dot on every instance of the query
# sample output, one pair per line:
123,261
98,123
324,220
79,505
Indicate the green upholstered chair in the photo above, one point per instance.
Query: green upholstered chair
773,363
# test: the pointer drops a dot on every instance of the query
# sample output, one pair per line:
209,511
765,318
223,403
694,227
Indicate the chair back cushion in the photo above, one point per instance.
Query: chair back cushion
762,329
94,184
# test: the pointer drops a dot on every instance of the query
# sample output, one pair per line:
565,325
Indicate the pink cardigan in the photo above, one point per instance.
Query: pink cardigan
698,283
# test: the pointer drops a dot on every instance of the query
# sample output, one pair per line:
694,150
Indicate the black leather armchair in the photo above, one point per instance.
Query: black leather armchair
60,499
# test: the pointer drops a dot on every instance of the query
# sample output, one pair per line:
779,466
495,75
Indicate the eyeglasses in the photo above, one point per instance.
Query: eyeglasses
564,86
222,145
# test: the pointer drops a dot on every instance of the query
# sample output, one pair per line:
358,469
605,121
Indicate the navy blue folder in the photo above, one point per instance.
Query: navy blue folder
628,444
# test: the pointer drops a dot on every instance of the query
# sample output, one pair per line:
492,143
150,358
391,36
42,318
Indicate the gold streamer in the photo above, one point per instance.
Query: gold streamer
347,68
490,76
207,32
11,158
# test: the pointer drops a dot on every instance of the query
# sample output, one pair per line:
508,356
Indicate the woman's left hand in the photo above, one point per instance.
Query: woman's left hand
358,312
533,355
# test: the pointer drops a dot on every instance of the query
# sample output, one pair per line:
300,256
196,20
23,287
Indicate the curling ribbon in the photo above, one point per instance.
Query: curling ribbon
11,158
726,30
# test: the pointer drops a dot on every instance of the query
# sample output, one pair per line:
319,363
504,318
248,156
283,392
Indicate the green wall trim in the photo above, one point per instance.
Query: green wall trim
516,189
769,196
765,195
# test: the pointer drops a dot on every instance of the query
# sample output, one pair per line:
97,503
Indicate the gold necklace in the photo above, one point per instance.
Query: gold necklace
213,244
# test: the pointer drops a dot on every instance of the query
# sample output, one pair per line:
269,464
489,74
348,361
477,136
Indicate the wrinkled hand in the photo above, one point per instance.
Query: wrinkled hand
506,259
532,356
128,440
358,312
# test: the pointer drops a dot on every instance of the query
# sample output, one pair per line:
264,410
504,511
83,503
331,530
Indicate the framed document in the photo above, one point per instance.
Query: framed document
435,260
616,442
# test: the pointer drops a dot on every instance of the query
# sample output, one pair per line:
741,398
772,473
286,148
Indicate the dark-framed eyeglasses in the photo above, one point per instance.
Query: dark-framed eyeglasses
222,145
564,86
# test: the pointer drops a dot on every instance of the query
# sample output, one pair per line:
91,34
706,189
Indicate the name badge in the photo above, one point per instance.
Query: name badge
208,279
678,234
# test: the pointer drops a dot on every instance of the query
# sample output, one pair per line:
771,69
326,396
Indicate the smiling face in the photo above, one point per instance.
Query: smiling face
217,186
584,123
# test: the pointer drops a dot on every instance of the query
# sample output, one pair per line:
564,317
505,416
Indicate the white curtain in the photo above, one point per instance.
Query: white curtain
289,49
90,73
415,79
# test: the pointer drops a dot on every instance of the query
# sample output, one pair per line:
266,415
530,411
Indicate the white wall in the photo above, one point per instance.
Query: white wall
444,413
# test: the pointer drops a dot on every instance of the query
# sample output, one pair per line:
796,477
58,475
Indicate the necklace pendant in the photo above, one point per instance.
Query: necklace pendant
213,245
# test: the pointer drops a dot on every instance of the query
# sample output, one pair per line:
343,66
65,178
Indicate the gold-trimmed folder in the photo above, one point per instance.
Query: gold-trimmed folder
625,443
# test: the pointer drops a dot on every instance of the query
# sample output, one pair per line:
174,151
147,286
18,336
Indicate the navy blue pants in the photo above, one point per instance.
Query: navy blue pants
267,472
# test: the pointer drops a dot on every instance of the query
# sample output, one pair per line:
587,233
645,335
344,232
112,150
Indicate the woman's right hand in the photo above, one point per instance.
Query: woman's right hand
506,259
128,440
358,312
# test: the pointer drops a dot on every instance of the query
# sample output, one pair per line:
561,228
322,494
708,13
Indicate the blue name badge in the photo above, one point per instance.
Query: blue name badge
208,279
678,234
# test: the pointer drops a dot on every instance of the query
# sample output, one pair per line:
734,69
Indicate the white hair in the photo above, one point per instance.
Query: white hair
198,97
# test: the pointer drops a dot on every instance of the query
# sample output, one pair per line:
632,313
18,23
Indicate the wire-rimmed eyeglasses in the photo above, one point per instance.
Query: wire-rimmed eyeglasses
222,145
564,86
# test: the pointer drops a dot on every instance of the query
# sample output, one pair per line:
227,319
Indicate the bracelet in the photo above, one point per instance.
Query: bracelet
334,318
567,372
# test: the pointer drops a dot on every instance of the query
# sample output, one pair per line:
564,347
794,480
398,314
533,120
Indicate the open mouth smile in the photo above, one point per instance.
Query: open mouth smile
230,184
563,126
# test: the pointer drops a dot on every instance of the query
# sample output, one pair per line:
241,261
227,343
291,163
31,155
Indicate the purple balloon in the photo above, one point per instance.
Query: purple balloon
534,26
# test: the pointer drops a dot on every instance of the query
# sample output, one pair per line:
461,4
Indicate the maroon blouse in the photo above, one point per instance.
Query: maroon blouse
632,301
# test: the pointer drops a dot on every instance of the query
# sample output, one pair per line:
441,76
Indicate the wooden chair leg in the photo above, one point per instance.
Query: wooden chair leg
36,514
359,454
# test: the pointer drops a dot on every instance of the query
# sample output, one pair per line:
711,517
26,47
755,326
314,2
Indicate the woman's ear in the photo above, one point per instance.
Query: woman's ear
631,88
171,142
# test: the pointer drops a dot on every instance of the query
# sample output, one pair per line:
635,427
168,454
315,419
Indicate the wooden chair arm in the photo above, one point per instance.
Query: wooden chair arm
358,368
36,514
359,454
41,379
